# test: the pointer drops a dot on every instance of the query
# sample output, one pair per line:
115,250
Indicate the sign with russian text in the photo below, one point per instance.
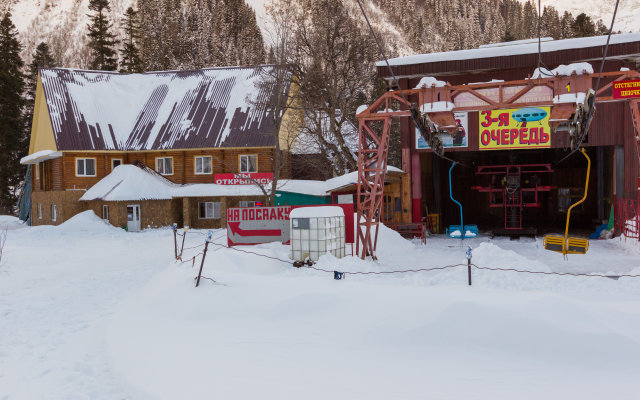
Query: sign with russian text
458,139
254,225
517,128
626,89
260,178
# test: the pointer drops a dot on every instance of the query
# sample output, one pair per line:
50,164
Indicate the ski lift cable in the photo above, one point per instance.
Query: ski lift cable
397,82
604,57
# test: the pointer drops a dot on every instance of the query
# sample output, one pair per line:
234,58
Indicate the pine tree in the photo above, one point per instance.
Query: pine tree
131,61
583,26
101,41
12,122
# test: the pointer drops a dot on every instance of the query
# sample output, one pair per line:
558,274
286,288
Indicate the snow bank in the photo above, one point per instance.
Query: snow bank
9,222
429,81
87,221
488,254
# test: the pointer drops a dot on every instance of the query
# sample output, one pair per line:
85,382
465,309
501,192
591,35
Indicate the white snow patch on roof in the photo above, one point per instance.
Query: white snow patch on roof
41,155
429,81
564,70
525,48
577,98
129,182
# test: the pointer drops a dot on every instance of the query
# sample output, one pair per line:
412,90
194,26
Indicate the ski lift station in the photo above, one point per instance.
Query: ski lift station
514,117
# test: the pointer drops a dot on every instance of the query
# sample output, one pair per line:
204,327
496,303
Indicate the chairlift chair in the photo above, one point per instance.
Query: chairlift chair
570,244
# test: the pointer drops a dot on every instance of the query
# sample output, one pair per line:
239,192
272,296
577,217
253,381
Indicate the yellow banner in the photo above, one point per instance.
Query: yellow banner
515,128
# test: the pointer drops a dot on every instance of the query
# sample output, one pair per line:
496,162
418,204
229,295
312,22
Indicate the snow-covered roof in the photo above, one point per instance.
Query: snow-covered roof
40,156
214,107
130,182
526,47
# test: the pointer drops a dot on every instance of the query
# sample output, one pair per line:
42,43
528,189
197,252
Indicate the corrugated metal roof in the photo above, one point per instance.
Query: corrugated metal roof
506,57
215,107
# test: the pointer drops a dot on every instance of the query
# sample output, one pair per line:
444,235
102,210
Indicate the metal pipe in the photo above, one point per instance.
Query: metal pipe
454,200
584,197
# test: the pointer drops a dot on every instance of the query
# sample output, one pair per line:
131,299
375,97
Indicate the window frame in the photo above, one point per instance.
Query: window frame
195,165
85,175
39,210
164,165
246,202
105,207
54,213
37,171
213,209
240,163
116,159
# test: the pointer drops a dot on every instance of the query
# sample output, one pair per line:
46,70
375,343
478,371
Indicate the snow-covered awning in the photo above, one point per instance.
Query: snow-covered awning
40,156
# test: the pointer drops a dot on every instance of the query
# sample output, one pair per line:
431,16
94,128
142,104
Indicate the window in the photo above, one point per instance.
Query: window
105,212
39,211
54,212
164,165
85,167
245,203
37,170
209,210
248,163
115,162
203,165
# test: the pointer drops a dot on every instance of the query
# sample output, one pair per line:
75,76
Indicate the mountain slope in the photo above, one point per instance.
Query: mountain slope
61,23
626,18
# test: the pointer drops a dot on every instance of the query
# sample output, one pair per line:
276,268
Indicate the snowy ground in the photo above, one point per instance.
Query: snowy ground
88,311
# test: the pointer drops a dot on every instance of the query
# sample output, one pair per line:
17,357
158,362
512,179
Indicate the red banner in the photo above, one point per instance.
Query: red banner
626,89
253,225
261,178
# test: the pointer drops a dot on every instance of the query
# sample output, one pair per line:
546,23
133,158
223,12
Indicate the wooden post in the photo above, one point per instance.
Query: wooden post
184,235
204,254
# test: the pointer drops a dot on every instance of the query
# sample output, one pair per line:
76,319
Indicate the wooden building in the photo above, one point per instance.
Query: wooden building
611,142
196,129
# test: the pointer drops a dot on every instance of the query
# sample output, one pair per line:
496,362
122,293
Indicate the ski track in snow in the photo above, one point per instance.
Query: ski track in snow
90,311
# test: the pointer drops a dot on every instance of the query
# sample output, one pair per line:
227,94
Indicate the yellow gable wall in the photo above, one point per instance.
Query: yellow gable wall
41,130
291,120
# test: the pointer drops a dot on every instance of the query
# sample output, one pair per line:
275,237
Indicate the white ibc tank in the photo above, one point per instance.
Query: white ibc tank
316,231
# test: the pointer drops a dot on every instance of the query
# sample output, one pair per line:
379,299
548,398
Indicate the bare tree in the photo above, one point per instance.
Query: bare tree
278,89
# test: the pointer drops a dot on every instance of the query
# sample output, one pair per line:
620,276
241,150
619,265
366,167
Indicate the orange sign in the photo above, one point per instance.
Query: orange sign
626,89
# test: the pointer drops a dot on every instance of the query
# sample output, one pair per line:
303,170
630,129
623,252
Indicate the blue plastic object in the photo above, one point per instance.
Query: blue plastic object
461,231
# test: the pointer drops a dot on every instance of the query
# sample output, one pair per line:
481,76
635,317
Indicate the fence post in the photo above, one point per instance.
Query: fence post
175,240
184,235
469,263
204,255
